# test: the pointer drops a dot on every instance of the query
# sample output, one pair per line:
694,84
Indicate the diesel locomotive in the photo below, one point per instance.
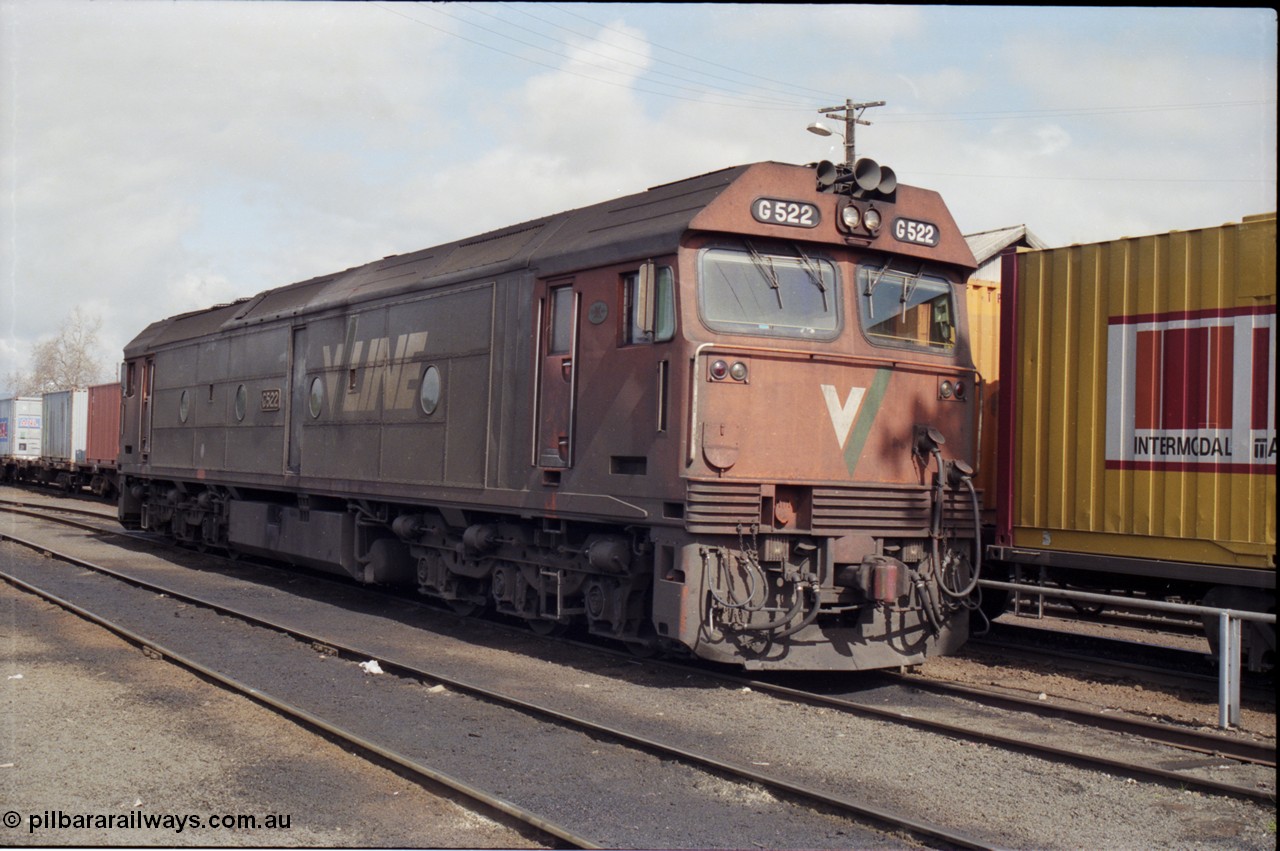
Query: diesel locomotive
733,416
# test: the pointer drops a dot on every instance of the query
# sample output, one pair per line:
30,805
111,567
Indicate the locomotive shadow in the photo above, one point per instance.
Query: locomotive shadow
323,604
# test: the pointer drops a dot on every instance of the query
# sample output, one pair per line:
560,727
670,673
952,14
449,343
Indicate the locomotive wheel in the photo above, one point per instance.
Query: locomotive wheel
549,629
642,649
465,608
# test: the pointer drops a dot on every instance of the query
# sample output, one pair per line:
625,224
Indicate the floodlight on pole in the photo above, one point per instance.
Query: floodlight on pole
851,114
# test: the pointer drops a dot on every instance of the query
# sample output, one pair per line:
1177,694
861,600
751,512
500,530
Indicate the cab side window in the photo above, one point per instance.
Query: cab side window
657,322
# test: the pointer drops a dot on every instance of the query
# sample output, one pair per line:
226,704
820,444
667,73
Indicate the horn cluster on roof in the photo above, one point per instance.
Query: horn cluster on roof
866,179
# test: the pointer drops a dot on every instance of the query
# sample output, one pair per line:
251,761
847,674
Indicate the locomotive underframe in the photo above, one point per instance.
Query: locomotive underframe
771,600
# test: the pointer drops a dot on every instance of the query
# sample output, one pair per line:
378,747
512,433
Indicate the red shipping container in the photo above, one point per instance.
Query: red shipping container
103,444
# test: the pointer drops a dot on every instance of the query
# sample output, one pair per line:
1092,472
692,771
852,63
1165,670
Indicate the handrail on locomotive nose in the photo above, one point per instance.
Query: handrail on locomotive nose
853,360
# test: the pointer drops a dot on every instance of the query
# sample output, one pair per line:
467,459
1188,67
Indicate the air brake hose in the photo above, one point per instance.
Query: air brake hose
977,548
785,619
816,589
773,624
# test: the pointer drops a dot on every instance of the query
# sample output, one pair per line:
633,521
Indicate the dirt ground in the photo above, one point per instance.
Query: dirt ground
985,666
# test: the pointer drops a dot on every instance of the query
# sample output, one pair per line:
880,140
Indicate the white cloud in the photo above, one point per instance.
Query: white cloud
173,155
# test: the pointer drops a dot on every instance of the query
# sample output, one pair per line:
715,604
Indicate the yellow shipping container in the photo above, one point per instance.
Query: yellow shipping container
982,301
1142,382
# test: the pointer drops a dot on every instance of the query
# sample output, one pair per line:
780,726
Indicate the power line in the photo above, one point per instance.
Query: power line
1098,179
1065,112
563,47
560,68
778,85
754,102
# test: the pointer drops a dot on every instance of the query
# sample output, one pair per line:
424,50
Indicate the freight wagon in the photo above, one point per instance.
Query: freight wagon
20,427
67,438
1136,446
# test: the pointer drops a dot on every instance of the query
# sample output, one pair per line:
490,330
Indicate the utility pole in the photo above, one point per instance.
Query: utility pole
852,115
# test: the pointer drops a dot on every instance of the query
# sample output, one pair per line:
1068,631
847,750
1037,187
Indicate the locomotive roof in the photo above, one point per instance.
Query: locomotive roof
648,223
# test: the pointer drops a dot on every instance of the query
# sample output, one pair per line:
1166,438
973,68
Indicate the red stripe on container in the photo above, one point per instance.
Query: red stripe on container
1147,375
1261,377
1184,402
1221,352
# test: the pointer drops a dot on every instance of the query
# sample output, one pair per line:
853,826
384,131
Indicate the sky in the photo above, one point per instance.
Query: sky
158,157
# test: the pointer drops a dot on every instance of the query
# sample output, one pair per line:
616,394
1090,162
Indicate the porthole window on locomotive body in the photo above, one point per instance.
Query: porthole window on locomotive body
242,403
184,406
429,393
316,401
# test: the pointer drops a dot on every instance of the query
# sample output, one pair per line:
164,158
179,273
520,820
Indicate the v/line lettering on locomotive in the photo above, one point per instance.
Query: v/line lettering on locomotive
382,375
843,413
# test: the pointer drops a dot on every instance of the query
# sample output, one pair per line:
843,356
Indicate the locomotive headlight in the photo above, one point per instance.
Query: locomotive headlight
719,370
872,220
738,371
851,216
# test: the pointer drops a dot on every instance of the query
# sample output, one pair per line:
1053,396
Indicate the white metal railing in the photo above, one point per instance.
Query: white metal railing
1229,632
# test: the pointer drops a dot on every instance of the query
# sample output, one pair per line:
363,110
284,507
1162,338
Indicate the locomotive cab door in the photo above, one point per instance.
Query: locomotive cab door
298,394
144,410
557,376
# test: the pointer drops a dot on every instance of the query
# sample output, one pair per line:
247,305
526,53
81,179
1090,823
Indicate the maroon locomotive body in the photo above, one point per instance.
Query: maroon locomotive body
732,415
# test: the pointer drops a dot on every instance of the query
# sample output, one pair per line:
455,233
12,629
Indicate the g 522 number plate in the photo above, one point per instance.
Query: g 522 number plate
915,232
775,211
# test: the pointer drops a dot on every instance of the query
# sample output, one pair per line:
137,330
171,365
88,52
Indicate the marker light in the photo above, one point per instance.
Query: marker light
719,370
738,371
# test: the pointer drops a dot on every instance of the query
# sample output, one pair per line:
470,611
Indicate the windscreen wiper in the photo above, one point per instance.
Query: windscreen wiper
815,274
909,284
765,267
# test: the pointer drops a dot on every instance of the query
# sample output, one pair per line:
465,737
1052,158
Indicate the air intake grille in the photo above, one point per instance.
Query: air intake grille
896,510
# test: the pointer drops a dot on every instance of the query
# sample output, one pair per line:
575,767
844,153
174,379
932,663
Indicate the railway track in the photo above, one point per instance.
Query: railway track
1117,657
556,836
798,795
1219,751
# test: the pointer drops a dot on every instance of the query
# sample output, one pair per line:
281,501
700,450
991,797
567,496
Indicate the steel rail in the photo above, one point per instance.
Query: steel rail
1102,663
310,719
1246,750
859,809
1209,743
1241,750
1229,632
21,507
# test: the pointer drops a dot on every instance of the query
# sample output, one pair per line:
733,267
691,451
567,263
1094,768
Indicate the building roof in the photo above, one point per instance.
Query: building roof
990,243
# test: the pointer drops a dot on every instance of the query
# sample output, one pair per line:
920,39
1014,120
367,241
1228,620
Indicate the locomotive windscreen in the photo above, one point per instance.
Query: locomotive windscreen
909,307
745,291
